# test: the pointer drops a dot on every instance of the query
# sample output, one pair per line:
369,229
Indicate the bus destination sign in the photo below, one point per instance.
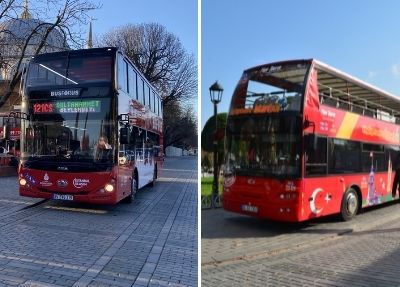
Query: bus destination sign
65,93
67,107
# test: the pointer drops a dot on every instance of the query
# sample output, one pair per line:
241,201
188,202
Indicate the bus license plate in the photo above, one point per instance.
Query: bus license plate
63,196
249,208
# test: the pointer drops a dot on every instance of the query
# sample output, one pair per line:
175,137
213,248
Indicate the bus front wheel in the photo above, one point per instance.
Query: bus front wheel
153,182
350,205
134,189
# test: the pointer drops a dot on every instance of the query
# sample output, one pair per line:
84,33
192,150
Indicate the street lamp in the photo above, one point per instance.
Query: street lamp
215,95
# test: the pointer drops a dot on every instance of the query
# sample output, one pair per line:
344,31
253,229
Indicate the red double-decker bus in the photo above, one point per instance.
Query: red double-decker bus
92,130
305,140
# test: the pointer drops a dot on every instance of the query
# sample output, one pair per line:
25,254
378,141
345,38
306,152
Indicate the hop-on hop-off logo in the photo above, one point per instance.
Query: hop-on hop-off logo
80,182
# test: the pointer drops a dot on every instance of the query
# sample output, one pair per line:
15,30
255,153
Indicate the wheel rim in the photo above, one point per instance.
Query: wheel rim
352,203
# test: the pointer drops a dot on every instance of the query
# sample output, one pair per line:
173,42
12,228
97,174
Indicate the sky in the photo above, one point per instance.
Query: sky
359,37
178,17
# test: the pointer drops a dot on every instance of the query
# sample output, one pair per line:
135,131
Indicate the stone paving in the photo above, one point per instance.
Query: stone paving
362,252
151,242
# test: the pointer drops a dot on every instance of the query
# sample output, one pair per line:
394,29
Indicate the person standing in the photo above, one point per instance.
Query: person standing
396,181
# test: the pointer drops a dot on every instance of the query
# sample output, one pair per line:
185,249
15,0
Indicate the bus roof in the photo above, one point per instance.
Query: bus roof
90,51
347,87
360,91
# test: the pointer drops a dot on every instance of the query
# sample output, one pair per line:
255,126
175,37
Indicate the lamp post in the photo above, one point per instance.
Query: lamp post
215,95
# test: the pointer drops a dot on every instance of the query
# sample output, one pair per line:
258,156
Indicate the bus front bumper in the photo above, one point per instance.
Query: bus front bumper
287,212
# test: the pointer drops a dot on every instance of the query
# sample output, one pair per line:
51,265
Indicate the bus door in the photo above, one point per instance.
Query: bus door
143,156
126,158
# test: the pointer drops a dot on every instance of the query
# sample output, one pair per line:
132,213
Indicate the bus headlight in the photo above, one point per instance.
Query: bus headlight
22,182
109,187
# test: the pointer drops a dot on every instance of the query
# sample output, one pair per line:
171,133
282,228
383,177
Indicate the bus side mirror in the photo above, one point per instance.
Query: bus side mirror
311,142
124,135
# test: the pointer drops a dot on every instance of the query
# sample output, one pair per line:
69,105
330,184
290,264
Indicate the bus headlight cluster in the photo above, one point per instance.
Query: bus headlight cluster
110,186
22,182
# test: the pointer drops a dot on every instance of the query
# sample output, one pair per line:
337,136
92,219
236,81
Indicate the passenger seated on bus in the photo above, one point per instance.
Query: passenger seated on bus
103,149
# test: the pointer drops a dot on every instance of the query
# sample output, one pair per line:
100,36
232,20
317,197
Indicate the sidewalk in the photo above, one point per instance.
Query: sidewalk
228,237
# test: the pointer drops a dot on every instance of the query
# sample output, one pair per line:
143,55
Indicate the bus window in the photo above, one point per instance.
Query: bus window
153,101
122,83
144,92
147,92
372,157
140,90
132,83
127,77
316,158
344,156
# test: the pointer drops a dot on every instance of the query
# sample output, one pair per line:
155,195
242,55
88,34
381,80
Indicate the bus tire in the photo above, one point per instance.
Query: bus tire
134,189
154,176
350,204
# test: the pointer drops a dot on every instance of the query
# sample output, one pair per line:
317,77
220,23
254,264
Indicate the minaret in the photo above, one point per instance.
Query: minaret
25,14
89,43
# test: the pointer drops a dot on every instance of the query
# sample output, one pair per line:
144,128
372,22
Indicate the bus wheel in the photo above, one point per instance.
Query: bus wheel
134,189
154,177
349,206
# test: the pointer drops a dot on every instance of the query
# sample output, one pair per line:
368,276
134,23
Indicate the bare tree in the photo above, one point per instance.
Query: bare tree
160,56
32,36
180,127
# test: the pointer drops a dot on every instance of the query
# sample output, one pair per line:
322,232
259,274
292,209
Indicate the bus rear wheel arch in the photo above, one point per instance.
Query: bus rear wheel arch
350,204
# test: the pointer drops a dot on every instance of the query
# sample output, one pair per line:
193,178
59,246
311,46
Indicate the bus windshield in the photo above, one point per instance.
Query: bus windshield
263,145
263,126
77,133
64,69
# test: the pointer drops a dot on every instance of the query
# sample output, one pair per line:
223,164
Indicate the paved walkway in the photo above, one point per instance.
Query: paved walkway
243,251
151,242
228,237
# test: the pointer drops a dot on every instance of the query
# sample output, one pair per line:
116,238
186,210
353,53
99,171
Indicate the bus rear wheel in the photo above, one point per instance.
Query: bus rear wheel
350,204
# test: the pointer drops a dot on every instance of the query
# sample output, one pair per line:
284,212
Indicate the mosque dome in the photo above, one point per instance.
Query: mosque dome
17,31
13,36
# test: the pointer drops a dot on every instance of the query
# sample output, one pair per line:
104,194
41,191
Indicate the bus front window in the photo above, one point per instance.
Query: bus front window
263,126
70,131
263,146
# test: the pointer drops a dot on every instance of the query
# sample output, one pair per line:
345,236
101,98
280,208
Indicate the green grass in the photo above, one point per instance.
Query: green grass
206,185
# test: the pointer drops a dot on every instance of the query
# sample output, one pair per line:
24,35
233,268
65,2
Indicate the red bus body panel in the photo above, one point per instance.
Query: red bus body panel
309,197
84,187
